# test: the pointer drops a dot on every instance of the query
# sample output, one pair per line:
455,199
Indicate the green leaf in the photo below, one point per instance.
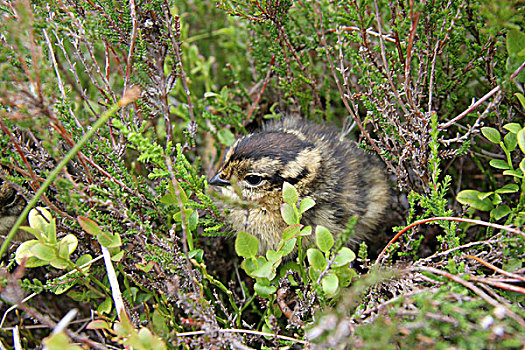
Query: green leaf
330,283
306,203
249,265
83,260
105,306
344,257
264,290
290,194
499,164
513,127
521,98
306,231
491,134
511,141
89,225
67,245
500,211
471,197
39,219
289,214
273,256
345,275
323,238
522,165
515,42
291,231
288,246
116,255
515,173
316,259
226,137
521,139
508,188
265,270
193,220
246,245
109,240
43,252
24,252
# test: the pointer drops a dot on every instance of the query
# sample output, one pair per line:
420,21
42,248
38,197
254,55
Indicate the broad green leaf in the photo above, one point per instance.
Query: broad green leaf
288,246
471,197
105,306
521,139
109,240
521,98
249,265
98,324
316,259
43,252
345,275
513,127
330,284
508,188
265,270
323,238
513,173
522,165
499,164
24,251
306,203
60,263
291,231
67,245
226,137
193,220
515,41
289,214
511,141
246,245
146,338
116,255
39,218
38,235
344,257
500,211
306,231
83,260
178,215
89,225
290,194
491,134
273,256
483,195
264,290
59,341
496,200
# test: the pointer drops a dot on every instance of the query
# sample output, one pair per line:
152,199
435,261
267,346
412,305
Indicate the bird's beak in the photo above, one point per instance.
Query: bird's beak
217,181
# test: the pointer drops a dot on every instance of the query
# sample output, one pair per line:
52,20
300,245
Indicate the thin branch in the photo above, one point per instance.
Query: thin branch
473,288
472,221
481,100
495,268
245,331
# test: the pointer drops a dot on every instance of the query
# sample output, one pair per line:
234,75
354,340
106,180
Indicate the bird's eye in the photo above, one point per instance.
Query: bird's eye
253,180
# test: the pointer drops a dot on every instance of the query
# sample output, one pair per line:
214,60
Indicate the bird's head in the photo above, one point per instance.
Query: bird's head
260,163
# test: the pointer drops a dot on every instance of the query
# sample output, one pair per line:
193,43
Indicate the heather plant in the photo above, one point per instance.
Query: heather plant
114,114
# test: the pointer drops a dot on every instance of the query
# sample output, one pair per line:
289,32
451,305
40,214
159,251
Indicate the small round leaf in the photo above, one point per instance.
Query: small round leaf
246,245
323,238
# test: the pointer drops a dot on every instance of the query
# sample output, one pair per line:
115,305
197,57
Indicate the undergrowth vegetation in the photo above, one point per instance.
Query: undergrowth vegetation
113,115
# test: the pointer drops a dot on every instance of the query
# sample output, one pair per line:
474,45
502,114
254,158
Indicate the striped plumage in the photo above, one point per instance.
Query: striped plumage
342,179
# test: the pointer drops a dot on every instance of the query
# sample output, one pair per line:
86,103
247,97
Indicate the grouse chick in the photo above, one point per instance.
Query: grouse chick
343,180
